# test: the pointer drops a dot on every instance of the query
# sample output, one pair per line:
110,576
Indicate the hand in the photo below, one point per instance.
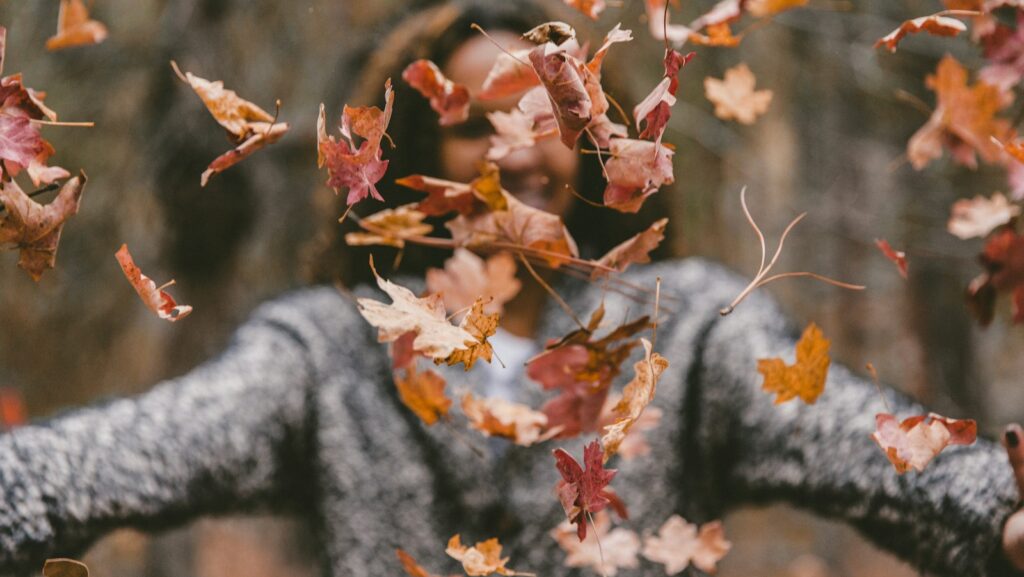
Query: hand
1013,531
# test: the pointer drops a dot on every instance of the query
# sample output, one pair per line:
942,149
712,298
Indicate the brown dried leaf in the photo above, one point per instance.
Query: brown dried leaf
35,229
914,442
635,250
390,227
481,325
501,418
806,377
734,97
467,277
935,24
635,397
75,28
155,298
678,544
979,216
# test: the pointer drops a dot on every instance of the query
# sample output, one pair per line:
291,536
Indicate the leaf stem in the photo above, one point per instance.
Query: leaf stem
561,302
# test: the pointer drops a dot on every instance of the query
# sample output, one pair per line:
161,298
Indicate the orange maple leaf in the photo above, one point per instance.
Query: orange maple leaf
75,28
423,393
481,559
914,442
806,377
734,96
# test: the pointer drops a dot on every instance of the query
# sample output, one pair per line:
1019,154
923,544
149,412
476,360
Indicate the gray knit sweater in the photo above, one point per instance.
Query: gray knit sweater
299,414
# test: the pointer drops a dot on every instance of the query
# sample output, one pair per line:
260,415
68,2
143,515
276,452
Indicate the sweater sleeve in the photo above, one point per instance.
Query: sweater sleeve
946,521
228,435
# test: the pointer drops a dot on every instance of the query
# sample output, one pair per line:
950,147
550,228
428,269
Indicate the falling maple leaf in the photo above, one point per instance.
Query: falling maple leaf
678,544
467,277
250,127
481,559
979,216
655,109
718,35
964,120
35,229
914,442
423,393
75,28
582,490
436,337
358,169
635,250
510,75
766,8
448,99
635,444
734,97
443,196
1003,259
500,418
936,24
806,377
635,171
637,394
155,298
519,224
390,227
604,551
582,368
590,8
898,257
480,325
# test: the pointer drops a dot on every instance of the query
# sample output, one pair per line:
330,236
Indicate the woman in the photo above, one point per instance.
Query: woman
299,413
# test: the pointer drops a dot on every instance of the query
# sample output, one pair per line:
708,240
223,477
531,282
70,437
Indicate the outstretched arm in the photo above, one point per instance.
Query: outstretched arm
946,521
228,435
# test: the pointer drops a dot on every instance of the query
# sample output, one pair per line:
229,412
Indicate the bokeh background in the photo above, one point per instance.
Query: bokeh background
832,143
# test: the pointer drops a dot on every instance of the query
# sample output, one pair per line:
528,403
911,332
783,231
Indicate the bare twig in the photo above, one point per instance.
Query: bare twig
762,278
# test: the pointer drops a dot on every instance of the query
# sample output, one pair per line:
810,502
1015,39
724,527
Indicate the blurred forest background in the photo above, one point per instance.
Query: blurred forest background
832,143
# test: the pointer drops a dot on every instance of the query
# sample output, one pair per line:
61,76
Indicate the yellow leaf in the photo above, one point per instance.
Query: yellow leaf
423,393
805,378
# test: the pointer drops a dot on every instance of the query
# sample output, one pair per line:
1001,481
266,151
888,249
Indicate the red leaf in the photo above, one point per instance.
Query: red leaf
636,170
155,298
448,99
357,169
582,490
898,257
655,109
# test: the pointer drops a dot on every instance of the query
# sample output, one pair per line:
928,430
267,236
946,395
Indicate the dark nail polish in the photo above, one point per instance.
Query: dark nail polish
1012,440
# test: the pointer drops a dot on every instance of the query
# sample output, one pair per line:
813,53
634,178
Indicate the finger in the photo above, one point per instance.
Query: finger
1013,539
1013,438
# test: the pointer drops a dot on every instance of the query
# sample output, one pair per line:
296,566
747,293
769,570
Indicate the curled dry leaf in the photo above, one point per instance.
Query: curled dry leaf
914,442
62,567
390,227
518,224
467,277
635,397
448,99
604,551
979,216
501,418
636,170
964,120
435,336
356,168
655,109
513,130
717,35
1003,259
806,377
678,544
484,558
75,28
410,566
423,393
634,445
582,368
553,32
734,97
935,24
249,126
635,250
898,257
155,298
443,196
481,326
582,491
562,77
511,74
35,229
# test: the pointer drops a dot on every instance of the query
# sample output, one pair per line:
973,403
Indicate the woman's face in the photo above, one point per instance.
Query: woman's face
538,175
